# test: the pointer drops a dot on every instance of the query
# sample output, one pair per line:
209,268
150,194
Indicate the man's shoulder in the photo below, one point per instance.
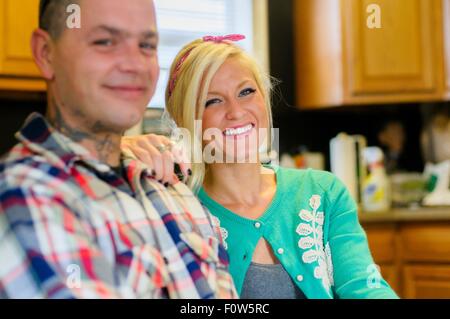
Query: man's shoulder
181,193
20,169
179,200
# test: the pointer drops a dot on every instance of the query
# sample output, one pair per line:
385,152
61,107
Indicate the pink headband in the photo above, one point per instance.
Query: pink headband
219,39
209,38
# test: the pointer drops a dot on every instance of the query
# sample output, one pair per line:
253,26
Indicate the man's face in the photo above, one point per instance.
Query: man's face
106,71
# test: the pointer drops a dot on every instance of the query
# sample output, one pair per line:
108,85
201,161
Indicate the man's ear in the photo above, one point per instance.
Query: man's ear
41,47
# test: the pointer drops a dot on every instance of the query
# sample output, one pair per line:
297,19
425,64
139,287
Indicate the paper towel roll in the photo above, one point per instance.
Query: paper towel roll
346,161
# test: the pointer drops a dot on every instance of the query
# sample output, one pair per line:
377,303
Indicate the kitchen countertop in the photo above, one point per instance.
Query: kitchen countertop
407,214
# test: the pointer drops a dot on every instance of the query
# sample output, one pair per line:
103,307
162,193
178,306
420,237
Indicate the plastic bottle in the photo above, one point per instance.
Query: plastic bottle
376,195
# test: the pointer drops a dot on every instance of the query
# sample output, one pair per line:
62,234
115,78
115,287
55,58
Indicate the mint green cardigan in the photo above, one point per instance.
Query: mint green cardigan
312,226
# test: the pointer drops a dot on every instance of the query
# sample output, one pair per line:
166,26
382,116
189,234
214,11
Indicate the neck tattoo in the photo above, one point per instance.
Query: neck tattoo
106,145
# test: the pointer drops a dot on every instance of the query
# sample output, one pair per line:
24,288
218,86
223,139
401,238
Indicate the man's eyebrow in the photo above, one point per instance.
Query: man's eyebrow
116,32
150,34
112,30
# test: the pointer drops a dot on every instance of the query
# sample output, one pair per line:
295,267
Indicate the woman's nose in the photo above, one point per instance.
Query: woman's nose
235,110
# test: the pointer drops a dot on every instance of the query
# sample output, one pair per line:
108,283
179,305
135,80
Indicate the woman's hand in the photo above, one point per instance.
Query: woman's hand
160,155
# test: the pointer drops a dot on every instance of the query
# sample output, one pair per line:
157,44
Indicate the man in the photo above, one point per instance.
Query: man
76,219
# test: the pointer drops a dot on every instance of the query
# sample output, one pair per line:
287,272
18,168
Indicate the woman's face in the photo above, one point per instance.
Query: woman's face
235,113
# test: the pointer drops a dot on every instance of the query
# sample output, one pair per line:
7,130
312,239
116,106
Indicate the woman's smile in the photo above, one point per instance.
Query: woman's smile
239,131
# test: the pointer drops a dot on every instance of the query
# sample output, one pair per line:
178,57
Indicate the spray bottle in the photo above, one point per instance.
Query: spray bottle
376,195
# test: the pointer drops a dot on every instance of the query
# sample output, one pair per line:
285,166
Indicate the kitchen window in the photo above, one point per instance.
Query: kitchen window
181,21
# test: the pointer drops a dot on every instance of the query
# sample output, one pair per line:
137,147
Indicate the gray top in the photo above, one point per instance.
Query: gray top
269,282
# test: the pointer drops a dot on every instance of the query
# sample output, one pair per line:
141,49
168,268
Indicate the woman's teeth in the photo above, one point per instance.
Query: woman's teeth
239,130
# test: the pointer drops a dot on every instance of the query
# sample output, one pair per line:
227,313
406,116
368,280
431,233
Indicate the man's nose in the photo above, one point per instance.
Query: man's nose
133,60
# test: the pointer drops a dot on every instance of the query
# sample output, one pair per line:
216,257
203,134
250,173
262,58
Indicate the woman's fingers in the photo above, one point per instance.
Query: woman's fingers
159,146
182,160
144,156
169,167
127,144
160,155
158,164
162,163
173,154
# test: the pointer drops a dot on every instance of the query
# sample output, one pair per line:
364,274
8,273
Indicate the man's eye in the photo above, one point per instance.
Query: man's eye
247,91
104,42
148,46
212,101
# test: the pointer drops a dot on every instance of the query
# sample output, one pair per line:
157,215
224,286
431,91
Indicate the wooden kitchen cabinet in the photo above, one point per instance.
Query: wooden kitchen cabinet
383,244
391,275
413,253
425,242
340,60
17,69
381,238
446,19
426,282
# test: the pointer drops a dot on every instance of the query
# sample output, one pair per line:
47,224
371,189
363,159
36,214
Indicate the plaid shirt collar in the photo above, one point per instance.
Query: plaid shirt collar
39,136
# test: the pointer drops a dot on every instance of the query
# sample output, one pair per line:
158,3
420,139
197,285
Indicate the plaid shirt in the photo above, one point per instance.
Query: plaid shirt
71,228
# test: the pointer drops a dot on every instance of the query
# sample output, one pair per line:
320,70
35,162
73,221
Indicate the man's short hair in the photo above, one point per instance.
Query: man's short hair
52,16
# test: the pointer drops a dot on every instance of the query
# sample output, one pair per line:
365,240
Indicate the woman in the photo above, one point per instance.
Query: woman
289,233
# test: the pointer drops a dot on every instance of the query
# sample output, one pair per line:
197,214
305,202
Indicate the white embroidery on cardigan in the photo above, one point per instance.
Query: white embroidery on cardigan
223,231
329,264
312,242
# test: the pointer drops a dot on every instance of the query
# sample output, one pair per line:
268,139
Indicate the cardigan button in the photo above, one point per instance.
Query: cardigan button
300,278
280,251
258,225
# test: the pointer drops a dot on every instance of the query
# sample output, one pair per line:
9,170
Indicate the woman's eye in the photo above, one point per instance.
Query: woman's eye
104,42
247,91
212,101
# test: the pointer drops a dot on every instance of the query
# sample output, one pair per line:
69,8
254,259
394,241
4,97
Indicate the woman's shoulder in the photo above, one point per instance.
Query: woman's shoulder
317,186
320,178
311,182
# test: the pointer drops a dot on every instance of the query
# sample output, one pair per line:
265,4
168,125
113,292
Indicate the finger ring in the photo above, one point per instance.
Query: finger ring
162,148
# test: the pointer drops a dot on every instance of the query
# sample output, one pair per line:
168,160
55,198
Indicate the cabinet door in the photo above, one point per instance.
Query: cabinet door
425,242
401,57
428,281
382,242
446,20
390,273
17,21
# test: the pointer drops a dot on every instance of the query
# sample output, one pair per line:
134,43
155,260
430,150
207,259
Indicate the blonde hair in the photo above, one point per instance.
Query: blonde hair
186,95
